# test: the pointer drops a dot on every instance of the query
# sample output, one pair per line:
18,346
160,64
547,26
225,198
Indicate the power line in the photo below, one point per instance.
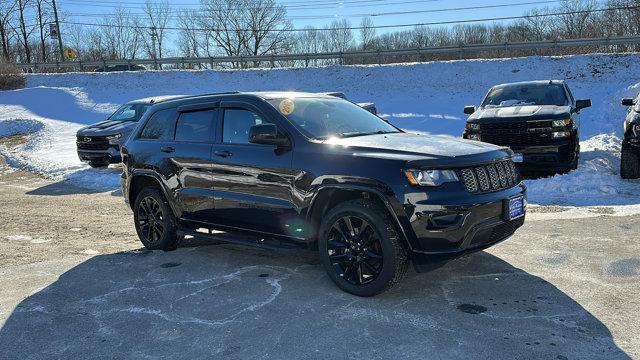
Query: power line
393,13
450,22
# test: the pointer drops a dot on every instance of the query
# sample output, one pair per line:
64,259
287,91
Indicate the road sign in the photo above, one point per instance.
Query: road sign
53,31
70,54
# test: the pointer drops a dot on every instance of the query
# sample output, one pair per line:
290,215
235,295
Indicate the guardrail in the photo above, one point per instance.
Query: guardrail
377,54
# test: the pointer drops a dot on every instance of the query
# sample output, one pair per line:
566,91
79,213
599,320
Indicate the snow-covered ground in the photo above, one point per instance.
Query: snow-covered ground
425,97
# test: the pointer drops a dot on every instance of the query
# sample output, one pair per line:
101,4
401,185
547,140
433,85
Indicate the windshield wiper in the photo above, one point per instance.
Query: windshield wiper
380,132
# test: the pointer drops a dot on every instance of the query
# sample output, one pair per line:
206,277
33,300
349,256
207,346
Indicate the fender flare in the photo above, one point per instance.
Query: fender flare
378,193
156,177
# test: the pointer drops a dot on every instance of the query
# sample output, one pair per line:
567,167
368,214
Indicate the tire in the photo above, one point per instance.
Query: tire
98,164
629,162
155,222
352,258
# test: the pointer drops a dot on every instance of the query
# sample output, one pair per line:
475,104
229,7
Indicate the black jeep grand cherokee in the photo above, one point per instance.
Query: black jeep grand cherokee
320,172
538,120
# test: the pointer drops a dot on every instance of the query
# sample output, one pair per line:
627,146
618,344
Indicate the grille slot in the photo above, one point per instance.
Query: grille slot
492,177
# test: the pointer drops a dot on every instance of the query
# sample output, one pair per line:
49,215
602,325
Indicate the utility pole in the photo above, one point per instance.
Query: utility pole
154,54
55,15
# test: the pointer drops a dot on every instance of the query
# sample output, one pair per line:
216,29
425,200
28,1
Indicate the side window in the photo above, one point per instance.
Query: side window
196,126
236,125
160,126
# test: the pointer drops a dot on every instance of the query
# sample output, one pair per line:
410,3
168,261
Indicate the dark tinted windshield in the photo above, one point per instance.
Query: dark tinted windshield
526,94
129,112
322,118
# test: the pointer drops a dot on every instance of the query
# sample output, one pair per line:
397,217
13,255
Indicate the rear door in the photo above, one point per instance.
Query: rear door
190,156
252,182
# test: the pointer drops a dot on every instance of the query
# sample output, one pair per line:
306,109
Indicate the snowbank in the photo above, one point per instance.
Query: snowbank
424,97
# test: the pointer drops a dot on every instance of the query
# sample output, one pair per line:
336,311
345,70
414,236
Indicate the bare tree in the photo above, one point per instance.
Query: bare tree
24,32
119,35
6,13
157,16
42,23
367,33
189,39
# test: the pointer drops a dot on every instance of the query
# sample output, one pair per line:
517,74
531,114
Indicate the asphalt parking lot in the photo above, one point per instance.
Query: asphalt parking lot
76,284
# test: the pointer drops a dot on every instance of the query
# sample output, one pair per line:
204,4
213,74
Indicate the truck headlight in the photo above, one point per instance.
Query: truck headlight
636,130
475,137
430,177
113,139
562,123
561,134
471,126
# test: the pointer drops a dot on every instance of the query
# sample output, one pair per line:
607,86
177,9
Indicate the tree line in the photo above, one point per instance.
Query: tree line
263,27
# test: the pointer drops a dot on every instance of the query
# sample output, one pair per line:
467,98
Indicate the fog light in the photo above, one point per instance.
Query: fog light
561,134
474,137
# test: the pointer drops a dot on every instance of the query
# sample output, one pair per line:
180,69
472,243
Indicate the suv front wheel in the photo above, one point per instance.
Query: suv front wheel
629,162
360,248
154,221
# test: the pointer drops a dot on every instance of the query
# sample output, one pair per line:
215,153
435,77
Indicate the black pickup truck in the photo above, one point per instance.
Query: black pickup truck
285,169
538,120
630,157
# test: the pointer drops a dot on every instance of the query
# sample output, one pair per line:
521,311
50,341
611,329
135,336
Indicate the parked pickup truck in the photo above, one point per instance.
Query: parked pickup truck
538,120
99,144
630,157
281,169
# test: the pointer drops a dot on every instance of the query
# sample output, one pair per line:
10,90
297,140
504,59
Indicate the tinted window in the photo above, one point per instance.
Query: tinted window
195,126
526,94
236,125
322,118
160,126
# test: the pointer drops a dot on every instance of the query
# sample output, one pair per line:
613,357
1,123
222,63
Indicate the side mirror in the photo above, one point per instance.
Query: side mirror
582,104
266,134
469,109
627,102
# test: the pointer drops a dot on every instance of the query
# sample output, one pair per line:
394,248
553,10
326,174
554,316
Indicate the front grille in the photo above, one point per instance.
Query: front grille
93,143
492,177
517,133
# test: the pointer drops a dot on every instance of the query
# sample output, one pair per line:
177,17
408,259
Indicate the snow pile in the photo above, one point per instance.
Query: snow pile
422,97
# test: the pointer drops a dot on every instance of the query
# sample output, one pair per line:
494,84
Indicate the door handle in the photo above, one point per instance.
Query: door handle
167,149
223,153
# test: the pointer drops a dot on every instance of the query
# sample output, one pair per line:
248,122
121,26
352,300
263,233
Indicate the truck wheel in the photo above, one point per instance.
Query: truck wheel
95,164
629,162
154,220
360,248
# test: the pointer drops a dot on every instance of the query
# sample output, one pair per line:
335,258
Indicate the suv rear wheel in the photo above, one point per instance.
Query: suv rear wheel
360,248
629,162
154,220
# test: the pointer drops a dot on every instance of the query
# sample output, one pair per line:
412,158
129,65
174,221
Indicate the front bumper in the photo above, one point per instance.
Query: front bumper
558,155
110,156
441,228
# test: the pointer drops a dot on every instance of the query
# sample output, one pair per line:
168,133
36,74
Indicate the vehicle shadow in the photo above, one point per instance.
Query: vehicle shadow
227,301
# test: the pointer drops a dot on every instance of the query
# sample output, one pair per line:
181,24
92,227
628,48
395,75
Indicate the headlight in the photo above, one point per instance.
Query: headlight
430,177
636,129
473,137
562,123
113,139
561,134
471,126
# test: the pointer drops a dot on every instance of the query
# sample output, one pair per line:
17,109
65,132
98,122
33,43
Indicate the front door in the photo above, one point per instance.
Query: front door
252,183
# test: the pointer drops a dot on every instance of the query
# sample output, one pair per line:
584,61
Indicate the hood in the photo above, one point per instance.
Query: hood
526,112
434,149
108,127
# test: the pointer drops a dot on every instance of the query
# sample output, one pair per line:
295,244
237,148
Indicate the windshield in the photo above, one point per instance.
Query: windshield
322,118
529,94
129,112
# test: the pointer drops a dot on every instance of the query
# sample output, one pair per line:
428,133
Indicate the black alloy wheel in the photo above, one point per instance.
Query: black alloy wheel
354,250
155,222
150,220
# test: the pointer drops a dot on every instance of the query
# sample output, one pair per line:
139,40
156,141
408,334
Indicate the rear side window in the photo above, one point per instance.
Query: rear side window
160,126
236,125
196,126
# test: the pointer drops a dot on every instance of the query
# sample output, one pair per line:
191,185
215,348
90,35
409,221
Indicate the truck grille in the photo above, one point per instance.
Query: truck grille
517,133
93,143
493,177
